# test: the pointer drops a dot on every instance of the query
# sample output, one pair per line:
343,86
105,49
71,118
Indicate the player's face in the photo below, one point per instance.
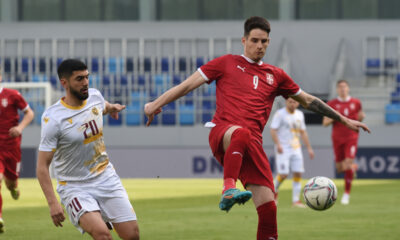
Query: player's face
255,44
291,104
78,84
343,90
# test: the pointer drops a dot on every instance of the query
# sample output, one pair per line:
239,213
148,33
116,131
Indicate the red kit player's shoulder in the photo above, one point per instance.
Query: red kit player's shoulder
10,91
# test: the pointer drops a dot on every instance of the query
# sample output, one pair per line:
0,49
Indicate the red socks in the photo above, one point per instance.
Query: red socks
348,178
234,156
267,226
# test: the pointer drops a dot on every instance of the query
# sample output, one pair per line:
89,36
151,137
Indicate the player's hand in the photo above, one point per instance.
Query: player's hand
150,113
57,214
114,109
279,149
15,131
355,125
311,153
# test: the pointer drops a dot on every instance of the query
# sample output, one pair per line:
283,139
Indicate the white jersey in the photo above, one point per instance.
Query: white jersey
75,134
288,126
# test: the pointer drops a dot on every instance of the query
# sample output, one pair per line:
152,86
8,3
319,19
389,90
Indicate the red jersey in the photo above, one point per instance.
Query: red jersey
350,109
10,101
246,90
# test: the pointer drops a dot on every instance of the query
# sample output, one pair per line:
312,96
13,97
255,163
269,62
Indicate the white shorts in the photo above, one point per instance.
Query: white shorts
289,160
105,194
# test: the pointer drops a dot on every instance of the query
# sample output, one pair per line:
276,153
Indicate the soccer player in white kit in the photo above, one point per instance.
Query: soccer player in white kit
287,127
72,138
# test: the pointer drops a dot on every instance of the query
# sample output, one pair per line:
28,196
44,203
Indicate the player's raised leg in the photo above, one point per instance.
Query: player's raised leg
235,142
263,198
127,230
92,223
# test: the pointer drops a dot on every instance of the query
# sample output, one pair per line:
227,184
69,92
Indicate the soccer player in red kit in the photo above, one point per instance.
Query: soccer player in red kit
246,89
10,139
344,140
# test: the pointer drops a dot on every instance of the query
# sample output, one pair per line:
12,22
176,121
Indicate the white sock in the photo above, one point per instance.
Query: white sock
296,191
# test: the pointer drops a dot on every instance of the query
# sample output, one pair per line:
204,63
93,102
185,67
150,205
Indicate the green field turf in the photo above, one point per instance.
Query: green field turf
188,209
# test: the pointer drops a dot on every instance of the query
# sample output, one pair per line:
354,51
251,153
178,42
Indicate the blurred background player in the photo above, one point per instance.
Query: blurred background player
246,89
344,140
10,139
287,127
72,137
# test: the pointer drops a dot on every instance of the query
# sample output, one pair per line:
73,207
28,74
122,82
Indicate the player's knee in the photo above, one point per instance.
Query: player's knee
241,136
133,234
101,234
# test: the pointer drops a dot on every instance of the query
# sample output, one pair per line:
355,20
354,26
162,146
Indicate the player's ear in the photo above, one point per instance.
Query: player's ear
244,39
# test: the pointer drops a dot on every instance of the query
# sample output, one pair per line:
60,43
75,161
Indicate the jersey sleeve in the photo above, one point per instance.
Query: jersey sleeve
49,134
98,94
287,87
276,121
20,102
303,121
214,69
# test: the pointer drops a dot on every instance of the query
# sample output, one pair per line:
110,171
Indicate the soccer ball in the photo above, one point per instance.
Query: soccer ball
320,193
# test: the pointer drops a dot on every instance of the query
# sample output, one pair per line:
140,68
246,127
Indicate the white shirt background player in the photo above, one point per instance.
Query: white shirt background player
72,137
287,127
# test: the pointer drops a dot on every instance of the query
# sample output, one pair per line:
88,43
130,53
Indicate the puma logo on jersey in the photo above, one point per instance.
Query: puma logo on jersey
241,68
70,120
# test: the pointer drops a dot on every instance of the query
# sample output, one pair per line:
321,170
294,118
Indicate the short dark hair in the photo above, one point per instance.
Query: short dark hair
342,81
256,22
68,66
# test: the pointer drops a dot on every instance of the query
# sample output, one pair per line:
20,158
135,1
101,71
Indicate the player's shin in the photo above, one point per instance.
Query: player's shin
296,189
267,224
348,178
234,156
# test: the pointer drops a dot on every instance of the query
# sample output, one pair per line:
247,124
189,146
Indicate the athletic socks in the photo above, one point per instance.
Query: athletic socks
348,178
267,226
296,190
234,156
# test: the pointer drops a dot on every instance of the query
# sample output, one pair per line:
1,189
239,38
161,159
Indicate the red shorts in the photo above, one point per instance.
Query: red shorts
255,166
10,160
345,149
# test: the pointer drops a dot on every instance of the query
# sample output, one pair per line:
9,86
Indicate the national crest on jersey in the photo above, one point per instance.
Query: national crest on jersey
76,134
4,102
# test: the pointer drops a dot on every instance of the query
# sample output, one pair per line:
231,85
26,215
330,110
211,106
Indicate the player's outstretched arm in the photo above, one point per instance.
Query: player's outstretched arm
43,175
113,109
316,105
28,117
191,83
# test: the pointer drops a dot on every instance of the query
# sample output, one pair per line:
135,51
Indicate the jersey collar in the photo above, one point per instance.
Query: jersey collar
72,107
251,60
344,100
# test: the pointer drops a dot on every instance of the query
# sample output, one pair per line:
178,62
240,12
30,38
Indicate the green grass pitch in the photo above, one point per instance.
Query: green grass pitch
188,209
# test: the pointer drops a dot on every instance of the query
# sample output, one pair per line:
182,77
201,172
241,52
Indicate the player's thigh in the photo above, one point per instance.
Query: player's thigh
350,149
228,135
127,230
261,194
282,163
339,150
93,223
297,162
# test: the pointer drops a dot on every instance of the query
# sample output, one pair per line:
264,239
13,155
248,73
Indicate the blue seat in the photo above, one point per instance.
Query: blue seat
159,80
392,114
373,63
141,80
59,61
25,65
164,64
7,65
189,98
53,81
133,115
124,80
95,65
199,62
129,65
398,79
186,115
169,115
395,97
37,78
112,65
147,65
182,64
106,80
390,63
176,80
42,65
115,122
